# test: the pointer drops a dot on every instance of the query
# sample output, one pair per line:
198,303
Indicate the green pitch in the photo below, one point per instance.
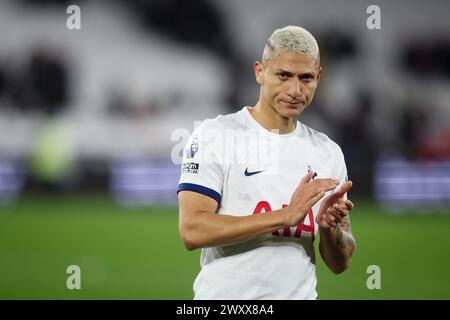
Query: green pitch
137,254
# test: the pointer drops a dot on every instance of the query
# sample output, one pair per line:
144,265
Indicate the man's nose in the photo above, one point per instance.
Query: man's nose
295,90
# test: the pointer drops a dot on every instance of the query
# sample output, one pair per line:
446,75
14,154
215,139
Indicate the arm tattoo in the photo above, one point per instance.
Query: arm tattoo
344,237
345,224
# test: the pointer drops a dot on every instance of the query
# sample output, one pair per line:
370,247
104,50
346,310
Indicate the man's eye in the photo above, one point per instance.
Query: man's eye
307,79
284,75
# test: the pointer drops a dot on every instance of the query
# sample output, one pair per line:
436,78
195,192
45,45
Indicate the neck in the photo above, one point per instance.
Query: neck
267,117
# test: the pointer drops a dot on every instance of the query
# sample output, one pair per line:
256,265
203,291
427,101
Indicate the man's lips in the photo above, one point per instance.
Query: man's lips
292,103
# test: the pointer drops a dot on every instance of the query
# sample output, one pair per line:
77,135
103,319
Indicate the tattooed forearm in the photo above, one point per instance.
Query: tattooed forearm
345,224
340,238
345,240
344,237
337,245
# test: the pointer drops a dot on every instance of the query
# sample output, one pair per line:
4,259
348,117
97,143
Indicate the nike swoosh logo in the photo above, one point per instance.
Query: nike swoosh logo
248,174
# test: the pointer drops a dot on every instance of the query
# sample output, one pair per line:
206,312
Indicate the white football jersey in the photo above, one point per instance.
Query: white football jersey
250,170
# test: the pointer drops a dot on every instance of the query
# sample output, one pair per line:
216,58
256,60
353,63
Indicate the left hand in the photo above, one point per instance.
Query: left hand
334,208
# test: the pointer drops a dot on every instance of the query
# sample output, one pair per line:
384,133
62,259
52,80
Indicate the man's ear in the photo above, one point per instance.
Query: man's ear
258,68
319,74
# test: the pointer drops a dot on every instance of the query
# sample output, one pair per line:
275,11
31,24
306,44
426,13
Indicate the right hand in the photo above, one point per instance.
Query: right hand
306,196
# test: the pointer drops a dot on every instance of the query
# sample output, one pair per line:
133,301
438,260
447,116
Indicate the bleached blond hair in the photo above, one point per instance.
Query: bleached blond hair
292,39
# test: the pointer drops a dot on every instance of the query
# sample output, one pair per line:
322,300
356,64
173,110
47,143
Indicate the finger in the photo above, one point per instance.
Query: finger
330,220
326,181
329,187
332,214
324,184
315,194
307,177
336,216
311,202
340,210
343,189
319,186
349,204
323,221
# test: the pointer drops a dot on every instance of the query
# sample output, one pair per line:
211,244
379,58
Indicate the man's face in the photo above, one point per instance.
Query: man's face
288,82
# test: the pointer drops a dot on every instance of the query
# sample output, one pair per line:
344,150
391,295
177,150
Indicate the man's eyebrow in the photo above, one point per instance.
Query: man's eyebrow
308,74
283,71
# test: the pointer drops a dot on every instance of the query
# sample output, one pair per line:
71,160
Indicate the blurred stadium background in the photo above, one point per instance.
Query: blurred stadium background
91,119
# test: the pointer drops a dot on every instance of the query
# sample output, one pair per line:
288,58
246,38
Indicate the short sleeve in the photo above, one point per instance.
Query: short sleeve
201,170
